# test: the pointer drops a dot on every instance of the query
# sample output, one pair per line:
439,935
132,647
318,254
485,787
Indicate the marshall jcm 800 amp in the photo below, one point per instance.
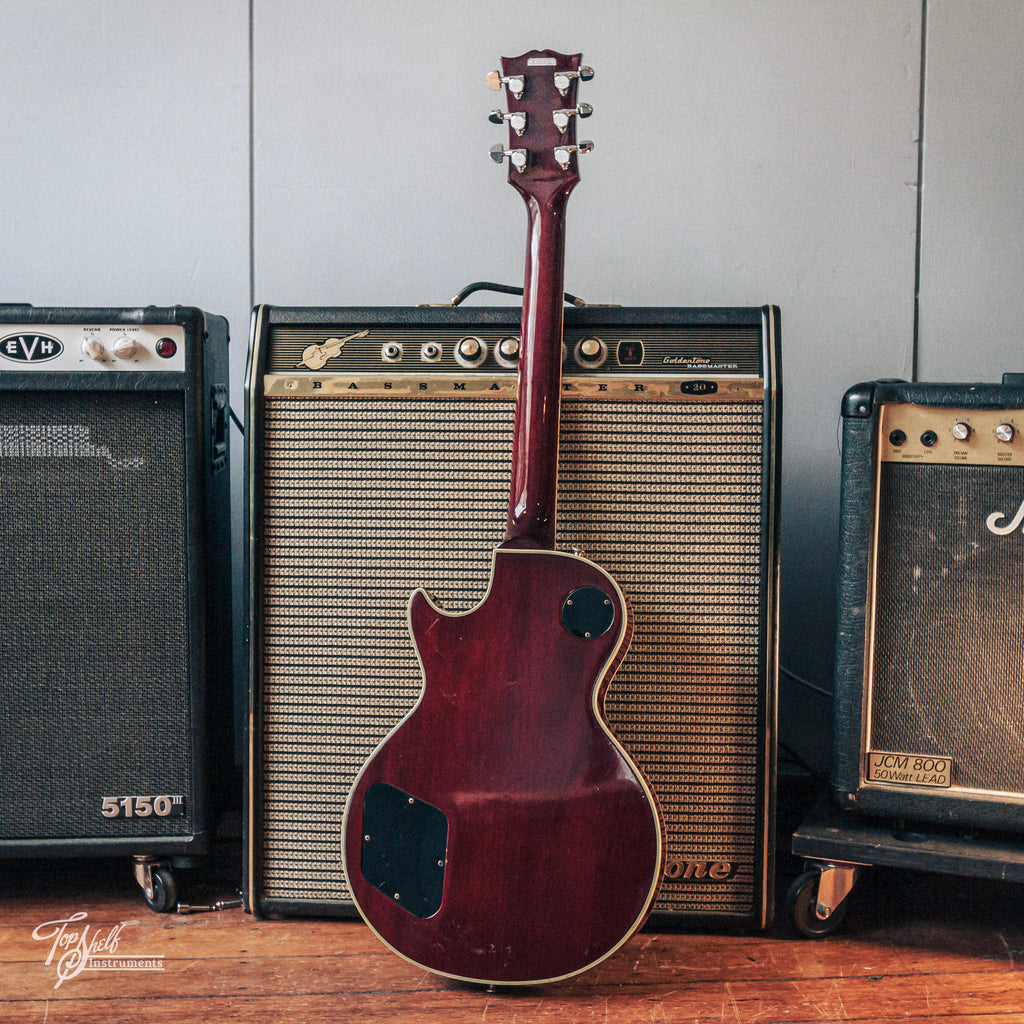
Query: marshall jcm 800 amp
378,449
930,638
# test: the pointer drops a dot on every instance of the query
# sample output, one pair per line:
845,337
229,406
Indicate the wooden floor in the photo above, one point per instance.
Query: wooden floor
914,947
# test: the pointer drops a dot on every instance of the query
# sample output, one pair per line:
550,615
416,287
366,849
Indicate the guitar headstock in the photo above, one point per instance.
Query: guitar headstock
540,91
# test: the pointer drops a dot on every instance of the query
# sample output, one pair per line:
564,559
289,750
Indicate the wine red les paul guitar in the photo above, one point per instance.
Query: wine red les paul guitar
500,834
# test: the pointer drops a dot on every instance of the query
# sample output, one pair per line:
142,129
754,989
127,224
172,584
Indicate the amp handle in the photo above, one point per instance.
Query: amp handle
509,289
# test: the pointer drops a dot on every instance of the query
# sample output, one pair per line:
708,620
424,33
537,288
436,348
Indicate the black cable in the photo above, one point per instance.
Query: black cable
505,289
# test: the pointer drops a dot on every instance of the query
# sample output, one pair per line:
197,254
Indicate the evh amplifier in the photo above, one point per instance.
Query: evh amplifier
115,568
378,452
929,722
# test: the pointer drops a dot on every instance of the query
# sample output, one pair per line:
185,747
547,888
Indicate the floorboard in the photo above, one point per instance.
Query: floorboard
914,947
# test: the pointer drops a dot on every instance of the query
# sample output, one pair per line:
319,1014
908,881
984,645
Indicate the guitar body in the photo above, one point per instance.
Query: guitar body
498,835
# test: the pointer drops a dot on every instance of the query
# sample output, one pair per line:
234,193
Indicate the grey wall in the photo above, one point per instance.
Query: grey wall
226,152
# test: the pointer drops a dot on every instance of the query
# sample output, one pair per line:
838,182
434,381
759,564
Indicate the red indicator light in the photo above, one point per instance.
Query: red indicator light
630,353
166,347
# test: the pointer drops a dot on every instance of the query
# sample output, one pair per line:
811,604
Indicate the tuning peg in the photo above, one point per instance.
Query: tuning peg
517,157
563,153
516,118
516,83
563,78
561,117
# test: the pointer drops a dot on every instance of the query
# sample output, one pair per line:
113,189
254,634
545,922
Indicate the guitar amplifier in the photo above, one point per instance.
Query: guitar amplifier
114,495
929,722
378,460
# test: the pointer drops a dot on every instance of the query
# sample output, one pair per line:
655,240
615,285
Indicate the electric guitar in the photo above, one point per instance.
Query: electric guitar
500,834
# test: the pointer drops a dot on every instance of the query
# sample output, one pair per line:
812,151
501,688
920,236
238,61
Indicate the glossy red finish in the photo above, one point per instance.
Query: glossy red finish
553,842
532,490
545,186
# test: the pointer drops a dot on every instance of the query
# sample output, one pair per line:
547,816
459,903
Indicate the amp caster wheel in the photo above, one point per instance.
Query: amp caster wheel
157,883
165,892
806,907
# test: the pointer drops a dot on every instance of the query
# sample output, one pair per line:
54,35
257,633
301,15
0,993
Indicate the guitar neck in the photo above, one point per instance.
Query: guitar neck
541,90
532,502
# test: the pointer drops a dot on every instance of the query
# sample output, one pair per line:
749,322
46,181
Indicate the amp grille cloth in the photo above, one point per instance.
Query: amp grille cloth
93,612
366,500
949,642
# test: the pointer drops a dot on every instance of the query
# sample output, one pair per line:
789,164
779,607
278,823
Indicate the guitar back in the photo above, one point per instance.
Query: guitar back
505,836
500,834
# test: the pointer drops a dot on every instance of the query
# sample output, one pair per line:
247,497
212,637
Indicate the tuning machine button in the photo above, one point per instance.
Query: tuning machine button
515,118
517,157
563,79
506,352
564,153
470,351
516,83
563,117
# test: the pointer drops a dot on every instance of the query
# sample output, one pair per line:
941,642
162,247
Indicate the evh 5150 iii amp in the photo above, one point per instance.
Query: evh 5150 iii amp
115,568
929,721
378,452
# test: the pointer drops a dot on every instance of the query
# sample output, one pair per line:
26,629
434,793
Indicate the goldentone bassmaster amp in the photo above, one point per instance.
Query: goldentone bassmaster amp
378,447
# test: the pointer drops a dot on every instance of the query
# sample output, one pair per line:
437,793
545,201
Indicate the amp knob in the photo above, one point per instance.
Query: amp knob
92,349
470,351
961,431
590,352
1005,432
506,352
124,347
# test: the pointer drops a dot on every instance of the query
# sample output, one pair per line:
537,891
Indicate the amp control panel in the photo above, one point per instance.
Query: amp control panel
95,347
911,433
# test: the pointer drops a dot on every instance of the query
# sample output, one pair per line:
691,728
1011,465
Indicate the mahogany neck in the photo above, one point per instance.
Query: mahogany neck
533,491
